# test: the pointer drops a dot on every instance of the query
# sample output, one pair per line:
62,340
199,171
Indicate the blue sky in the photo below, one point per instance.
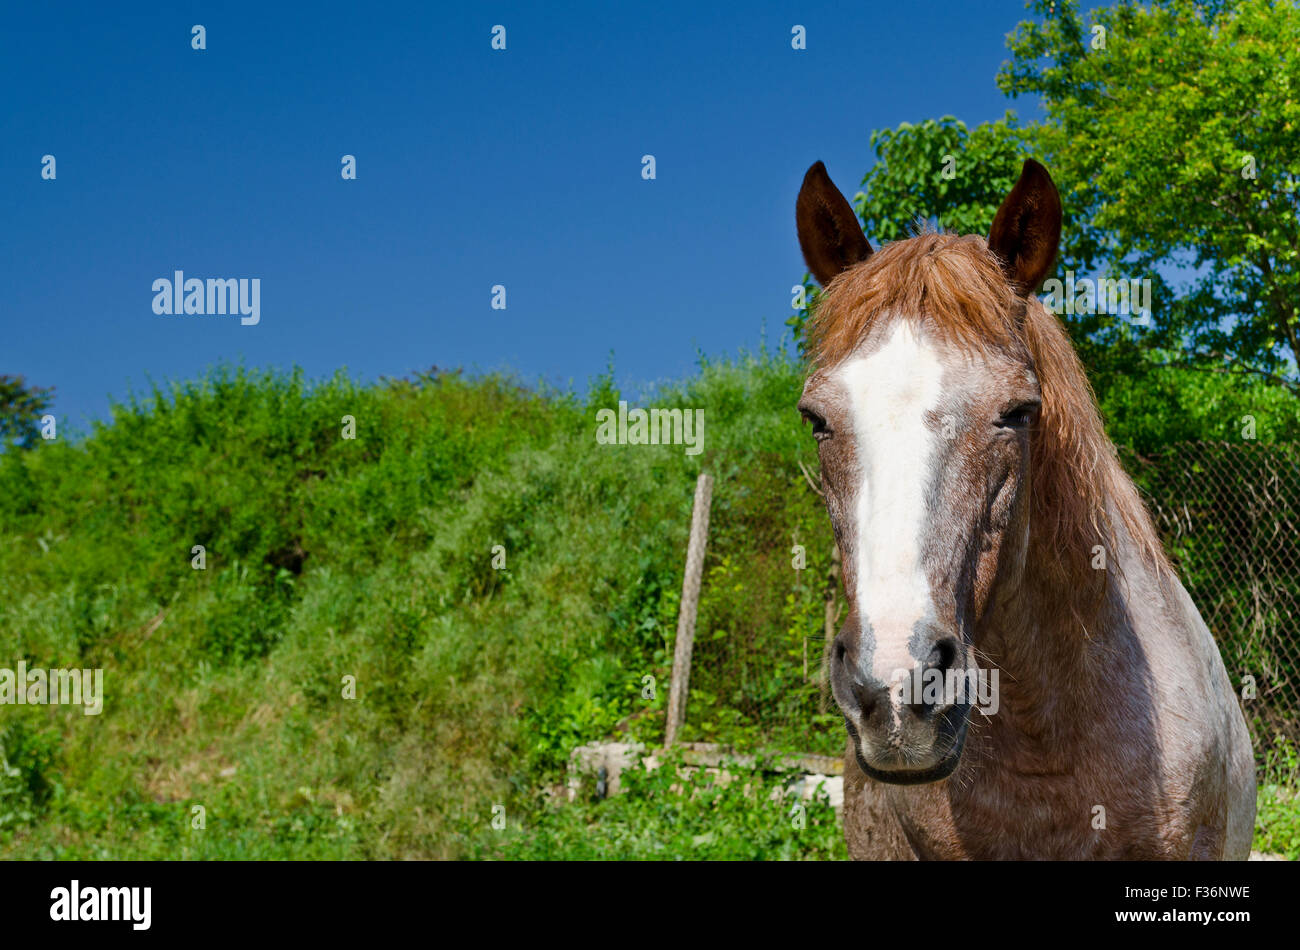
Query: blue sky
475,168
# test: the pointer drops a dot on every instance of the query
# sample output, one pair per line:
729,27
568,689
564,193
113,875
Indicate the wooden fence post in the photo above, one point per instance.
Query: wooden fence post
832,617
686,615
832,592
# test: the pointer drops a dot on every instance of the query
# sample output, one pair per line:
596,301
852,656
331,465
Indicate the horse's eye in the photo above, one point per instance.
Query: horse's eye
1020,417
818,424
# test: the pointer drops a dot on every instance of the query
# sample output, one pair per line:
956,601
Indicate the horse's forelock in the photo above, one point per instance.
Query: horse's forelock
953,284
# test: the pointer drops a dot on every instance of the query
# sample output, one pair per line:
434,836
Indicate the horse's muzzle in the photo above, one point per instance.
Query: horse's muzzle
905,731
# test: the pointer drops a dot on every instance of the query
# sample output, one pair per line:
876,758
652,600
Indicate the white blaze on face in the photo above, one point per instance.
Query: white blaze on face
890,393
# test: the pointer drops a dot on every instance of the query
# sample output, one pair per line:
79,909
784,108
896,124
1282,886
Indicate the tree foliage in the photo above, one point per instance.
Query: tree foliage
21,408
941,173
1174,131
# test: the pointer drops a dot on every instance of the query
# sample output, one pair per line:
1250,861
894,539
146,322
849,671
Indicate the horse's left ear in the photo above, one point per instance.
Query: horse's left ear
1027,228
829,234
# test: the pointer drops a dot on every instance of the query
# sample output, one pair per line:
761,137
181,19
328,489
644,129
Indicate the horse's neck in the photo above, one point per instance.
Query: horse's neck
1052,652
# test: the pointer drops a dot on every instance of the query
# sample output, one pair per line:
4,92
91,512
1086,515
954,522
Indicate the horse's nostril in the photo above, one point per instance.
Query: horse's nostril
943,655
867,697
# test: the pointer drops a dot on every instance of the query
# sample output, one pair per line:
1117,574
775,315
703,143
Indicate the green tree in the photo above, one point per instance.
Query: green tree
21,408
1174,131
942,173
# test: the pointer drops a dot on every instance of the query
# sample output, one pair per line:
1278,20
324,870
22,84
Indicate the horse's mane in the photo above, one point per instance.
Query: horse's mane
955,286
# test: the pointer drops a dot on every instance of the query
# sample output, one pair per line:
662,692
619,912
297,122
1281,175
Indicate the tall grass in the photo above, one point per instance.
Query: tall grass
370,558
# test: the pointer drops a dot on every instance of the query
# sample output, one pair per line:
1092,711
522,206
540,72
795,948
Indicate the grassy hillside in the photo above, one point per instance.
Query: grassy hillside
372,558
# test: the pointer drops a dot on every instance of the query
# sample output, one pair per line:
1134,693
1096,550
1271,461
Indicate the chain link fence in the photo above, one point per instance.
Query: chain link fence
1229,515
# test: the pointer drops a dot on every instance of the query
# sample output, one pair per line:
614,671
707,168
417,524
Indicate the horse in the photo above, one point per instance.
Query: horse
987,529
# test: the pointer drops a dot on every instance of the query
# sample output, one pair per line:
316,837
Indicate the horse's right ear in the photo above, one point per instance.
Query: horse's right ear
1027,228
829,234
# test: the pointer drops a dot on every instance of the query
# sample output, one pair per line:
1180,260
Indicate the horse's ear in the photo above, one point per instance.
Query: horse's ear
829,234
1027,228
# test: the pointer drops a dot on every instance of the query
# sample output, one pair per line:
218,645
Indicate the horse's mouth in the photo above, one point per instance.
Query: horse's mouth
894,770
912,776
